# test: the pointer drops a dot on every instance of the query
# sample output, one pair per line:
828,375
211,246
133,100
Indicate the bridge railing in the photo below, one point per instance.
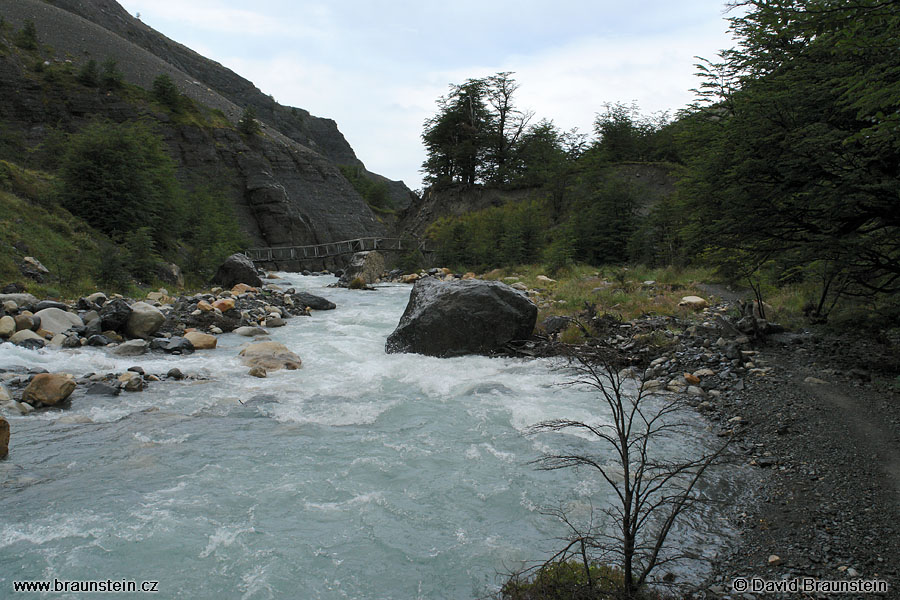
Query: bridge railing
285,253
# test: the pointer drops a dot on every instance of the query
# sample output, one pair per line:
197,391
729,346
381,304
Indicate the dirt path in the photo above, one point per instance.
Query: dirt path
829,454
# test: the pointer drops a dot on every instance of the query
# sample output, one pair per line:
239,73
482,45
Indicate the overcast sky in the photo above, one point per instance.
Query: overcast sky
377,66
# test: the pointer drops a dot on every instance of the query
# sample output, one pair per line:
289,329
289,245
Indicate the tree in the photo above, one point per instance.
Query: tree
119,178
793,149
110,77
89,75
166,92
26,38
247,124
473,137
509,123
457,138
650,492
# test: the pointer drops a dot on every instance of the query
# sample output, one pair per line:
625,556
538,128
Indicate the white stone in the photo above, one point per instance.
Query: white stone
56,320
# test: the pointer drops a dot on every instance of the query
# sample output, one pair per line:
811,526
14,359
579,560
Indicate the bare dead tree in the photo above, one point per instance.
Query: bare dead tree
649,492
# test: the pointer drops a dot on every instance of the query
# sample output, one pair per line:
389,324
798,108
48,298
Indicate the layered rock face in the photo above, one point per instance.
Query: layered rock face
454,318
285,184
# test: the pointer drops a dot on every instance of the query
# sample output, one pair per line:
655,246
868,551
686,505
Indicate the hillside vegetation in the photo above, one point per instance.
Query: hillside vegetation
98,201
784,170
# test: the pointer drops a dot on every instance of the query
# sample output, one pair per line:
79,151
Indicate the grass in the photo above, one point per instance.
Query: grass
619,291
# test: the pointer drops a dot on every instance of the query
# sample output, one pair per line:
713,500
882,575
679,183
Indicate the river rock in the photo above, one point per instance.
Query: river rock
258,372
27,322
21,300
367,266
224,304
312,301
201,341
236,269
57,320
131,381
144,320
204,306
48,389
4,437
114,315
693,302
247,331
243,288
98,388
98,298
462,317
5,396
7,326
270,356
131,348
21,337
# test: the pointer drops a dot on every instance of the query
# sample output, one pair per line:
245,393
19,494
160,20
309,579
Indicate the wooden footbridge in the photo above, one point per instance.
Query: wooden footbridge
330,249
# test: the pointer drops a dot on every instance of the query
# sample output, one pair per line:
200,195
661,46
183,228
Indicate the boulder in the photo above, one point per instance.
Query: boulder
98,298
48,389
7,326
144,320
131,348
20,337
243,288
98,388
26,321
49,304
172,345
21,300
366,266
224,304
170,273
201,341
247,331
258,372
311,301
57,320
462,317
4,437
131,381
270,356
114,315
236,269
693,302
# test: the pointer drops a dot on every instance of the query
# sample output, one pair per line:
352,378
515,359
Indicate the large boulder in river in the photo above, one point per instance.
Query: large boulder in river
236,269
57,320
367,266
270,356
453,318
48,389
144,320
312,301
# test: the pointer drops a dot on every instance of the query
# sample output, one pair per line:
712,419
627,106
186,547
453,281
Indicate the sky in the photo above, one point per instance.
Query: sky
377,67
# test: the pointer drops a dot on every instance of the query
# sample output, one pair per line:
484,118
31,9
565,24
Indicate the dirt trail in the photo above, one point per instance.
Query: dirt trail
868,430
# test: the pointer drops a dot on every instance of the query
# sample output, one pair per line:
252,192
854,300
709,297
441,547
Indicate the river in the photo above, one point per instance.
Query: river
360,475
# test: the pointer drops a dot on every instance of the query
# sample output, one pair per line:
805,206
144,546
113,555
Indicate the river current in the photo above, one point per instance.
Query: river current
360,475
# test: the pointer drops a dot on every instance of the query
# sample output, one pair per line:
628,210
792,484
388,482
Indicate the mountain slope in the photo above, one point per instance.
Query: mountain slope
287,192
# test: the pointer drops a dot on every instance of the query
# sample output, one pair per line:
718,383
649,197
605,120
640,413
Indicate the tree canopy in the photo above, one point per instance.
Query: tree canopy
793,158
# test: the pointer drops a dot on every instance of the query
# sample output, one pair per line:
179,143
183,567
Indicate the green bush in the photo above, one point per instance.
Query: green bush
119,179
248,125
166,93
89,75
26,38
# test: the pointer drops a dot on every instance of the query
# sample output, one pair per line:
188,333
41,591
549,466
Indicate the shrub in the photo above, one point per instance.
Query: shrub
89,75
248,125
358,283
111,77
166,92
26,38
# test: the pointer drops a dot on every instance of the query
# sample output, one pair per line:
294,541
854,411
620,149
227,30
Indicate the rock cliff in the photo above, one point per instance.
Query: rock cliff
286,183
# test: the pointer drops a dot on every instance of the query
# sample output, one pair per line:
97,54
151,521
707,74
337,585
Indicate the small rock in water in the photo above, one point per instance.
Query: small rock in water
258,372
175,374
